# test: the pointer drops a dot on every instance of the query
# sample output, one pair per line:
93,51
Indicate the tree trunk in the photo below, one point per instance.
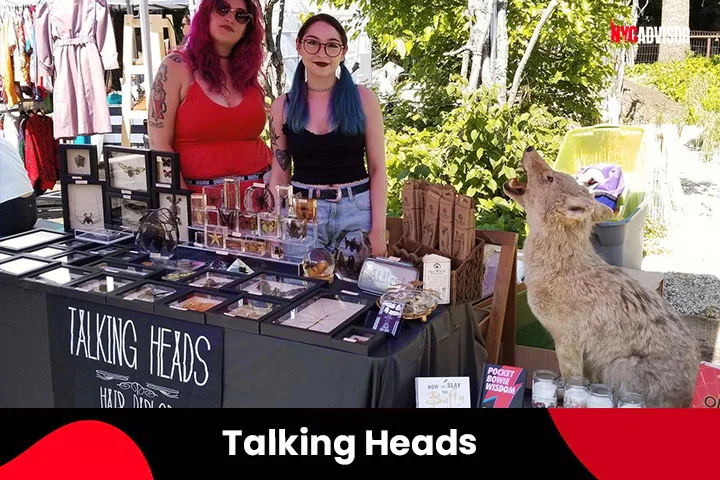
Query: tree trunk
274,67
480,12
533,40
675,13
500,62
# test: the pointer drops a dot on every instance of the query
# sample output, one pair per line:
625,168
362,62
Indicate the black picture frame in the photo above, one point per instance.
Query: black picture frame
75,289
182,197
159,177
375,339
279,325
236,278
118,202
33,264
127,269
75,258
76,166
118,297
222,316
312,285
134,175
8,243
76,217
36,281
170,306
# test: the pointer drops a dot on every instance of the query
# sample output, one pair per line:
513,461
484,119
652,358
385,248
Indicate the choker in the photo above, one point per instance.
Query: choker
320,89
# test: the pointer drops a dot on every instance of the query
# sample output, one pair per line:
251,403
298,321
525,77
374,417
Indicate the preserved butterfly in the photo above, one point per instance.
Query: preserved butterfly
247,223
227,218
268,226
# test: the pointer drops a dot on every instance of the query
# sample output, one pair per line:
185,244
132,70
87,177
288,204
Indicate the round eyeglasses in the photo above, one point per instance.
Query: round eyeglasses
332,49
241,16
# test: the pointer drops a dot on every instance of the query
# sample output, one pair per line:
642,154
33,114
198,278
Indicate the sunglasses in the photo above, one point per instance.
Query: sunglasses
241,16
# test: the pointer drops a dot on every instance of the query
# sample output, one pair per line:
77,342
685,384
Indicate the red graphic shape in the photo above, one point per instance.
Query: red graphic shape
81,450
648,443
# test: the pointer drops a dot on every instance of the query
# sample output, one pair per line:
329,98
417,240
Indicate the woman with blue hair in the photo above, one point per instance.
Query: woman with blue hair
325,129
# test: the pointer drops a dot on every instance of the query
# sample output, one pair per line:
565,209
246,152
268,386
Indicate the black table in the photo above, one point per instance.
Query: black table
262,371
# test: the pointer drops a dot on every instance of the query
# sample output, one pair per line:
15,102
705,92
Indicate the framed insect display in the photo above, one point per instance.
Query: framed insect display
128,169
127,210
142,296
79,162
244,314
213,195
268,225
227,217
178,202
284,200
165,169
198,203
255,247
247,223
318,318
84,206
282,287
259,199
306,209
294,229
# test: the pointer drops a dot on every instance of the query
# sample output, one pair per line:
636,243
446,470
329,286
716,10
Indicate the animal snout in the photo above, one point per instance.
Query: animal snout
530,149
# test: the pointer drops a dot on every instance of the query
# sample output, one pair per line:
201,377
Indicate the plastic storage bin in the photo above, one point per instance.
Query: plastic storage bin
619,241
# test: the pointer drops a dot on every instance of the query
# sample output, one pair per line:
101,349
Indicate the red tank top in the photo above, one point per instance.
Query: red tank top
215,141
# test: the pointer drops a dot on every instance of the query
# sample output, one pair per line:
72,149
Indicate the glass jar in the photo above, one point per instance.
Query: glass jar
576,392
544,389
600,396
631,400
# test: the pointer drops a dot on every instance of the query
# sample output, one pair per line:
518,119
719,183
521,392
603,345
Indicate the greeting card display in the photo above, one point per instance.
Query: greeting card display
128,169
84,206
127,210
79,161
165,169
318,318
178,203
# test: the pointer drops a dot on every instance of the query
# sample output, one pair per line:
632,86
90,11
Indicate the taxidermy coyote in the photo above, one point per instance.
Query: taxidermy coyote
606,326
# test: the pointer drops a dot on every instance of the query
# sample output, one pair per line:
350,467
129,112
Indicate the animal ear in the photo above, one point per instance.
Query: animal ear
577,208
601,213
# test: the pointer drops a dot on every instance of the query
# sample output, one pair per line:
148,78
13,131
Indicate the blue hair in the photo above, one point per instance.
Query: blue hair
346,112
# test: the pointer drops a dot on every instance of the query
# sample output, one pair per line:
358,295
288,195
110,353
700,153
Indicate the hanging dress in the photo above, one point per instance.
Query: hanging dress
75,45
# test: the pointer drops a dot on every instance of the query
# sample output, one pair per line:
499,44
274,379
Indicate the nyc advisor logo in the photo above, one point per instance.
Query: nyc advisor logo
666,35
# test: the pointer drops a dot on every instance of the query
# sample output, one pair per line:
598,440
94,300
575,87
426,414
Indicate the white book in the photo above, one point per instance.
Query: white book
442,392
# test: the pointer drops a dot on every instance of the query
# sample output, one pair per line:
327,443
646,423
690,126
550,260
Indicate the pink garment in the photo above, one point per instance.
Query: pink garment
75,44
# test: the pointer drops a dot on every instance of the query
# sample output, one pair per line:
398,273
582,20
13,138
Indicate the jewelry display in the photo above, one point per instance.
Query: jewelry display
85,206
198,302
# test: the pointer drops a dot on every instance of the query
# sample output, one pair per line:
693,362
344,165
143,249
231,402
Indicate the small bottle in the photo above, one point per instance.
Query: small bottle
576,392
631,400
544,389
600,396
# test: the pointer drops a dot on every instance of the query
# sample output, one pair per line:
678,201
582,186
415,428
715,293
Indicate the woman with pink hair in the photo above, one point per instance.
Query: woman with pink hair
206,102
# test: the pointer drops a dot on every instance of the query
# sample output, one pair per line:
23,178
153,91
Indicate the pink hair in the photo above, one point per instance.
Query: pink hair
245,57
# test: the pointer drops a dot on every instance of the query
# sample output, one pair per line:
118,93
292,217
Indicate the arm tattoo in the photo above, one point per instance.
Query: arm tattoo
156,124
158,107
282,156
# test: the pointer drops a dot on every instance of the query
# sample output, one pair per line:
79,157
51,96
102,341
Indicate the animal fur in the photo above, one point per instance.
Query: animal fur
606,326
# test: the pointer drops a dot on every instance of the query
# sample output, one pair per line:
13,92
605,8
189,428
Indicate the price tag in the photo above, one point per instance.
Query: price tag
126,192
126,197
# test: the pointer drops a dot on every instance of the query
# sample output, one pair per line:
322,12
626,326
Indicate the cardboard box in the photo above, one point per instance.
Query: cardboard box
436,276
445,229
430,219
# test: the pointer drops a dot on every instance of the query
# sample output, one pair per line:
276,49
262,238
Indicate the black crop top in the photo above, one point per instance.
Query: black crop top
332,158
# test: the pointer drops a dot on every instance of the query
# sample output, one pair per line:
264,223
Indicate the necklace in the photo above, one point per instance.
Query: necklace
321,89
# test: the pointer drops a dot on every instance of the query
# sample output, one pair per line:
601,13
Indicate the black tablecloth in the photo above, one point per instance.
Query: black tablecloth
262,371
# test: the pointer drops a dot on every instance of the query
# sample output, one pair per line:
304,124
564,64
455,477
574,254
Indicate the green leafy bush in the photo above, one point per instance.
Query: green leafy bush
476,148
